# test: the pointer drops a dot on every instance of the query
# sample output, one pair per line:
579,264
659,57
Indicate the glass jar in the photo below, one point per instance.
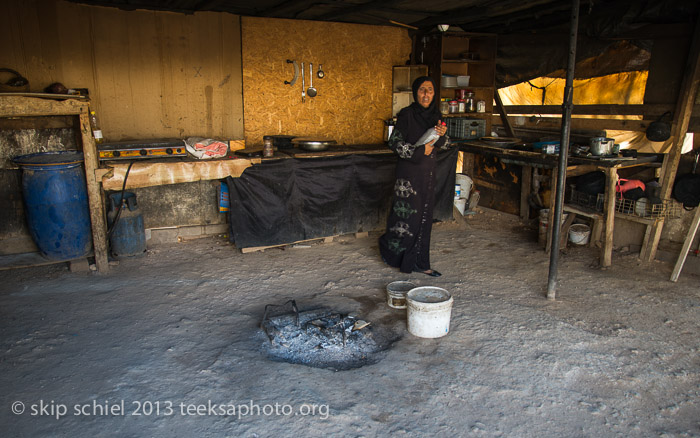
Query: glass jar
268,150
454,106
480,106
471,105
461,106
444,106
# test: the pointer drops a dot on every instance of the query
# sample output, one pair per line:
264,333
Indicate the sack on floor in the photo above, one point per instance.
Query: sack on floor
686,189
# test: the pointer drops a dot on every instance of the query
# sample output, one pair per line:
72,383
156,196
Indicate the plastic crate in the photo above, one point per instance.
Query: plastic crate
465,129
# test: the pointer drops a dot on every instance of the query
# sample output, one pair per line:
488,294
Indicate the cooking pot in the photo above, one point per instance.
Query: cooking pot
601,145
282,141
313,144
659,130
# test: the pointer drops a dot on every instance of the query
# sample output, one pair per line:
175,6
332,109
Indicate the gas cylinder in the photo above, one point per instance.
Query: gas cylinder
127,233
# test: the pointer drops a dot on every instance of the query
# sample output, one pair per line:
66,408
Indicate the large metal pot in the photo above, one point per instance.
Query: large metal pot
601,145
313,144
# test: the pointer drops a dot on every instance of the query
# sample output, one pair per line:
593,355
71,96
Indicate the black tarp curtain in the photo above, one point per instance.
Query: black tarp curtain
290,200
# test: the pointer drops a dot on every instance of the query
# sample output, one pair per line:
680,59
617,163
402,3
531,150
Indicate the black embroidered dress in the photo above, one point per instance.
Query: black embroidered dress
406,242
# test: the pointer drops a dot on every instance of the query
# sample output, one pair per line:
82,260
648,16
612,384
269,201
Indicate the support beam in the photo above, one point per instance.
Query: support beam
504,115
681,119
567,107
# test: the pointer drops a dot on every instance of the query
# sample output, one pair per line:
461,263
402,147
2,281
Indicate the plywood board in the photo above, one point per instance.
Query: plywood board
150,74
354,97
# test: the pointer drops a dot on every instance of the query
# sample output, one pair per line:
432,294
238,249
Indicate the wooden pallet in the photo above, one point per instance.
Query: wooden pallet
328,239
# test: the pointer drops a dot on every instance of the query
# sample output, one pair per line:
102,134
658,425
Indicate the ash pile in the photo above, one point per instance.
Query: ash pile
322,337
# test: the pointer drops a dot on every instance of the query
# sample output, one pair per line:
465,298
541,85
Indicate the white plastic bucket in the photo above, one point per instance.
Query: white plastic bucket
544,224
579,234
466,185
461,204
396,293
429,311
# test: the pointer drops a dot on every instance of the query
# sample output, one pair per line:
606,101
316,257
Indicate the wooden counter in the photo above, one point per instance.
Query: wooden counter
575,166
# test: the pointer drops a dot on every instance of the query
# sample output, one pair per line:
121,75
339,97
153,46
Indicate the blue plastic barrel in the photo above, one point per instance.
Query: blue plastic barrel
56,203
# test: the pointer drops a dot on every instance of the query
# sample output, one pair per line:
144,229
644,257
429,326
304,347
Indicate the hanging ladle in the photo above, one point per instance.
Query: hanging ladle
311,92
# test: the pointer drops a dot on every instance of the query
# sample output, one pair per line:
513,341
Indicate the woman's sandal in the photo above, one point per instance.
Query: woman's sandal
430,272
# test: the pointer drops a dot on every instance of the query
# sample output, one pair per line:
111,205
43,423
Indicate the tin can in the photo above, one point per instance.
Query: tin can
268,150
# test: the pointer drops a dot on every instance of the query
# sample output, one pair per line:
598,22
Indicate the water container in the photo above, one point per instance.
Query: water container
429,310
56,203
128,235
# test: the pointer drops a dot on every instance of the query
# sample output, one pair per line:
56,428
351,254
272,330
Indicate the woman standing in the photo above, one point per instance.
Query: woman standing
406,243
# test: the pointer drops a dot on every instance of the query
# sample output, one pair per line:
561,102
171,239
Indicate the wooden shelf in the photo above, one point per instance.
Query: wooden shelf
476,87
467,61
447,53
12,105
468,115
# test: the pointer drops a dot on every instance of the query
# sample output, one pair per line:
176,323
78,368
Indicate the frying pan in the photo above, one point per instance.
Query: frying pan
313,144
659,130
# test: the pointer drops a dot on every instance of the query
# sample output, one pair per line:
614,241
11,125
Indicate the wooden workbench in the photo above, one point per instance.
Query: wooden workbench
29,106
575,166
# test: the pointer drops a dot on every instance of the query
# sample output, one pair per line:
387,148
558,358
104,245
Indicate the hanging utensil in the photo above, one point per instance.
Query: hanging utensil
296,73
320,73
303,86
311,91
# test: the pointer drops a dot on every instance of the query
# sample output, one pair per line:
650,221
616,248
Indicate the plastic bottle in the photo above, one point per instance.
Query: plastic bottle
95,125
429,135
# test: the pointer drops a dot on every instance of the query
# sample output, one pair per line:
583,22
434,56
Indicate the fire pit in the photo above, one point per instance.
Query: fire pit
322,338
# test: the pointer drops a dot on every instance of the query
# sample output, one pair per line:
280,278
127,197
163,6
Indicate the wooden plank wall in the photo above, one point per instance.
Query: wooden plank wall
150,74
353,98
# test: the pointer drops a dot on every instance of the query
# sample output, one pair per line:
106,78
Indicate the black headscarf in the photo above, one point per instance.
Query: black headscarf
414,120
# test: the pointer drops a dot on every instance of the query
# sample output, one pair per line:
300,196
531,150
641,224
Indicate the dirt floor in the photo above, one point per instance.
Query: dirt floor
169,344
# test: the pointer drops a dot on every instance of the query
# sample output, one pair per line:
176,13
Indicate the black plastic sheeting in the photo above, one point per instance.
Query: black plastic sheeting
289,200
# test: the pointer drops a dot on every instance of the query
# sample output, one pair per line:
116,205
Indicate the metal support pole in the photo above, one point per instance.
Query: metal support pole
567,108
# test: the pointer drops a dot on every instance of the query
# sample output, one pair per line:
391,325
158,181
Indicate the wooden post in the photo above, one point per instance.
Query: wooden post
550,217
681,119
525,188
94,190
686,245
610,183
504,115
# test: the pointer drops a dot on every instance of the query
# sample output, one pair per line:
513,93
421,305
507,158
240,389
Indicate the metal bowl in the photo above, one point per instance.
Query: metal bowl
313,144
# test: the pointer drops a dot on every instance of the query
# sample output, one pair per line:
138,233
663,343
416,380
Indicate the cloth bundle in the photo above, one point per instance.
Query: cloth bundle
204,148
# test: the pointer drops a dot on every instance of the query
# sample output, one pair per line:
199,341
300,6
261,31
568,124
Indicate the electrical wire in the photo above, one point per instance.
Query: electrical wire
121,203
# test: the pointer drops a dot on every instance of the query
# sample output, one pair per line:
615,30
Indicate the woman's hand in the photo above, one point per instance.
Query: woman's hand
440,128
429,147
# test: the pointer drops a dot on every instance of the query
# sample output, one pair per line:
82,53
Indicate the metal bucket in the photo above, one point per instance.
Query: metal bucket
396,293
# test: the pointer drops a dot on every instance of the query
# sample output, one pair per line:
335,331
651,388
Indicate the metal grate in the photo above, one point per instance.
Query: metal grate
593,202
667,208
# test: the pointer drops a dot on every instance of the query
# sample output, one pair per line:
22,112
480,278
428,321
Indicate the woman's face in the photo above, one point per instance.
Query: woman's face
425,94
